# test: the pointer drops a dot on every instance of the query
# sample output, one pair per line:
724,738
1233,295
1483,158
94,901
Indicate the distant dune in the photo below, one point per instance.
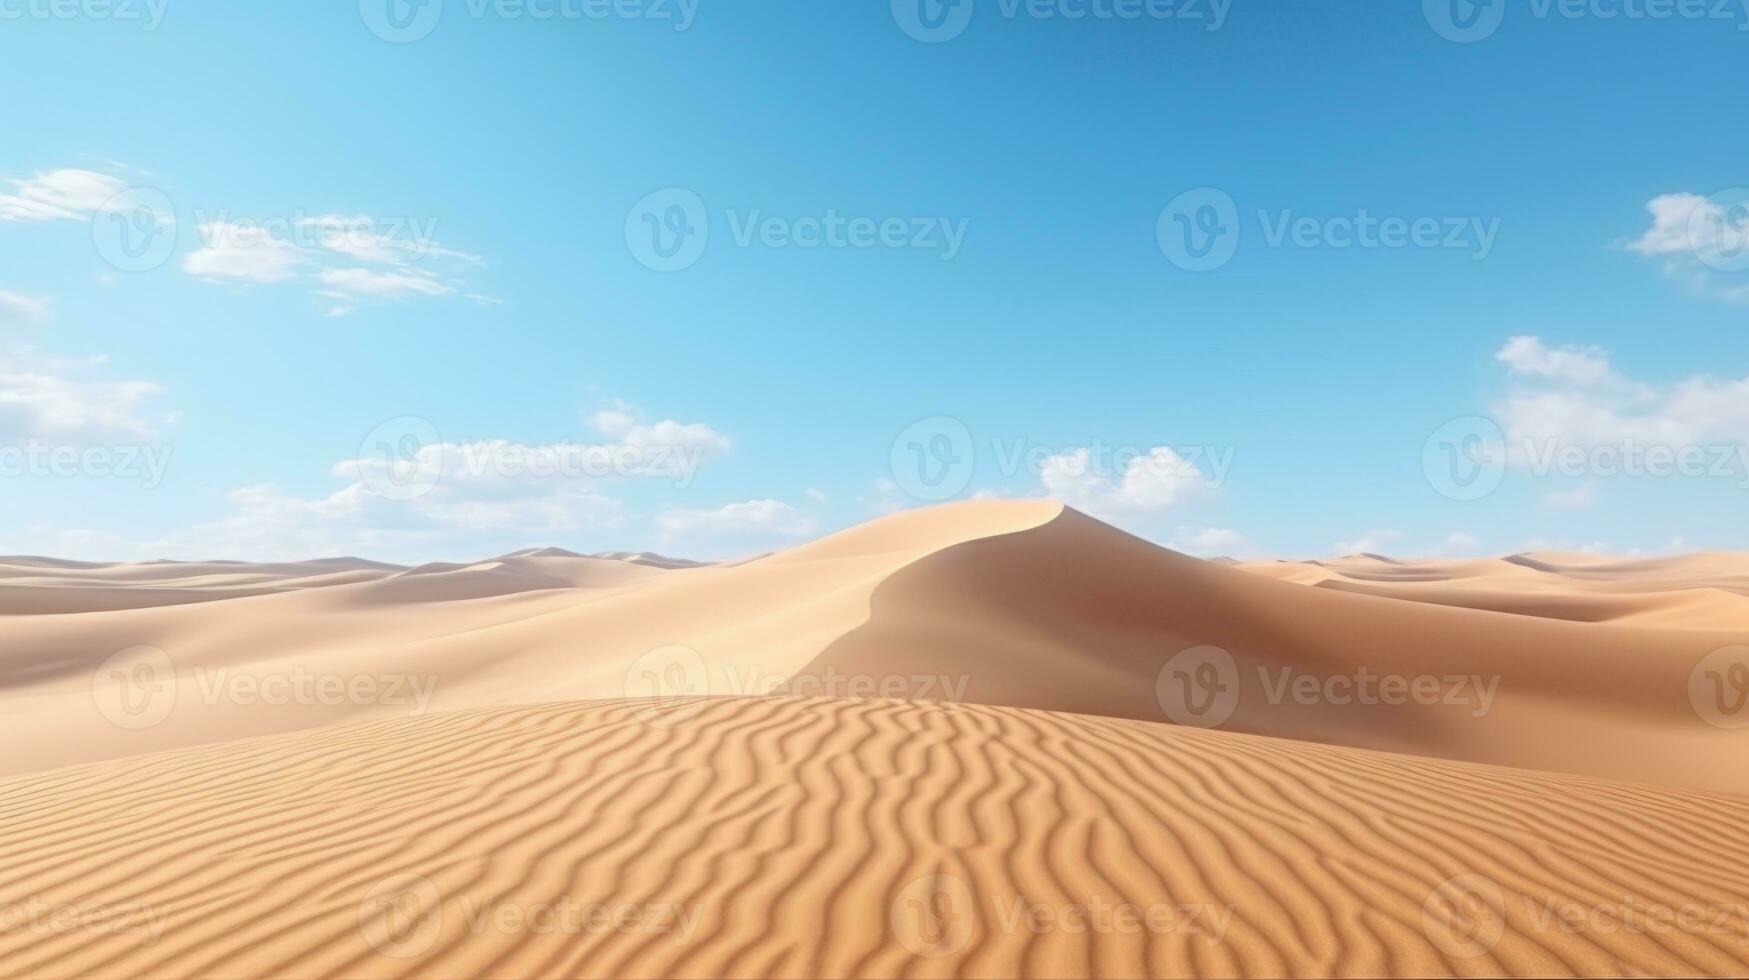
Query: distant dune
1006,701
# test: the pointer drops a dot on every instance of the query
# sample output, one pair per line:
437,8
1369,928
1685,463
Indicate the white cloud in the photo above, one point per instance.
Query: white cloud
58,195
1149,483
479,491
1560,406
56,400
630,449
16,308
382,285
1696,237
347,260
886,497
243,253
1578,498
1460,543
620,421
401,260
366,239
1209,542
1530,356
1372,542
767,516
1689,224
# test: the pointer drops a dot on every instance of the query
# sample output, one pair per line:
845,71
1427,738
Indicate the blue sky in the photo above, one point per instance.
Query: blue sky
456,235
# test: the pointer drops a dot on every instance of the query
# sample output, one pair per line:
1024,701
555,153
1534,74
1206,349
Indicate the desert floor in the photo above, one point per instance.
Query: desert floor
986,739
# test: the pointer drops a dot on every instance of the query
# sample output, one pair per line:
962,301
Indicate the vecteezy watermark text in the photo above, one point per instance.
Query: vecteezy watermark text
396,239
407,21
676,676
402,916
1468,458
1465,917
1201,230
41,917
1203,687
149,14
936,21
406,458
935,459
669,230
138,688
40,460
938,915
1470,21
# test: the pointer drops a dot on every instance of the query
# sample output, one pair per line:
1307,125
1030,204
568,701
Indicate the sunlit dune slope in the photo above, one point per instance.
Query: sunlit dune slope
819,837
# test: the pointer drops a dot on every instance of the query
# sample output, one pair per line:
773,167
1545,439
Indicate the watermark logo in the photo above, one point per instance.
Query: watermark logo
401,21
1464,21
1199,687
1465,459
302,686
570,916
1198,230
934,458
1465,916
752,681
402,916
1718,230
1202,687
35,459
135,231
1470,21
667,685
936,21
149,14
668,230
1718,688
40,917
135,688
933,21
934,916
401,459
938,915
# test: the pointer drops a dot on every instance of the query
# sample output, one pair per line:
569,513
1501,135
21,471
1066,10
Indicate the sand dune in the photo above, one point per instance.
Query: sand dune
833,837
1018,603
856,756
1701,591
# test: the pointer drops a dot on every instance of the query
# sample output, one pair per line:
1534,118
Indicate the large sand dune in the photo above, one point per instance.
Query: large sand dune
1008,695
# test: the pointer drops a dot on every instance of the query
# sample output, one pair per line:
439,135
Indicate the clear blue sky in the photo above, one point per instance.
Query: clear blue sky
1060,320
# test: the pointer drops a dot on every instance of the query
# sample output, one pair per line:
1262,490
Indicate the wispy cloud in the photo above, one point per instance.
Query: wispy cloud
743,517
17,308
58,195
70,401
401,260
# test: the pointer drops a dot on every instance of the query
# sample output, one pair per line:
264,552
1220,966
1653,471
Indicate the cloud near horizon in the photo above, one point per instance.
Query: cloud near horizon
1574,396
